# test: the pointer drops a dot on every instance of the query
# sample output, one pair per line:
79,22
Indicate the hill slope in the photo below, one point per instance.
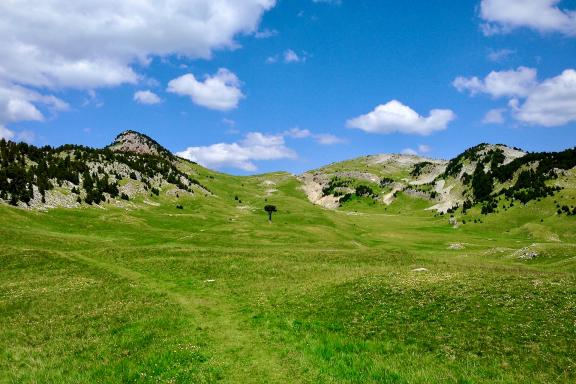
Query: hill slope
198,286
135,168
480,176
71,175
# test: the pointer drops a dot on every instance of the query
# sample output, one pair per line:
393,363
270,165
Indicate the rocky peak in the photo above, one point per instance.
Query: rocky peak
132,141
508,154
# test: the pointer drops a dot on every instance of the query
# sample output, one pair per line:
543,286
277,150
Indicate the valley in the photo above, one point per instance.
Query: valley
193,284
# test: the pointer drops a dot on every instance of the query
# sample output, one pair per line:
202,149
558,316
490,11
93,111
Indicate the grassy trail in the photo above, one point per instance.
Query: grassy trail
238,350
216,294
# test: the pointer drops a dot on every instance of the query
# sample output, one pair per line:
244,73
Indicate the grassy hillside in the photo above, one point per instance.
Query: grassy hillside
212,292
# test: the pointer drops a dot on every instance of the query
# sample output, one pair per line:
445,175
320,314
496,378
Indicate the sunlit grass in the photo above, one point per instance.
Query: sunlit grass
214,293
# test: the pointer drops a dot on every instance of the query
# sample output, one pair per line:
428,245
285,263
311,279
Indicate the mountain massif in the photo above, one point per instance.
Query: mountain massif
491,178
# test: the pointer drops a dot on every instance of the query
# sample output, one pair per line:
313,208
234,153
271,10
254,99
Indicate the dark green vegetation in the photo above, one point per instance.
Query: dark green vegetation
199,288
524,179
24,166
351,189
530,184
419,167
270,209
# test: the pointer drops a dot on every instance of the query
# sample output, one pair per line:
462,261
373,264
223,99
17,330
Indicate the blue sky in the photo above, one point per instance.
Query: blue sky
250,86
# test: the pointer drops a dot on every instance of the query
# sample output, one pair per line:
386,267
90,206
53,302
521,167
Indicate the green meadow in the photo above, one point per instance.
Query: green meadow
214,293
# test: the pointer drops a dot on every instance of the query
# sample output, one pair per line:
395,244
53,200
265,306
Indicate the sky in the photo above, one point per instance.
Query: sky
254,86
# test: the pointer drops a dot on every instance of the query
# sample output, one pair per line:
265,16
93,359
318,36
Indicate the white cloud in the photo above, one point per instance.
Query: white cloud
59,44
328,139
255,146
93,43
5,133
147,98
494,116
500,54
272,59
396,117
27,136
92,99
220,92
549,103
289,56
502,16
229,122
297,133
422,150
265,34
320,138
552,103
20,104
513,83
292,57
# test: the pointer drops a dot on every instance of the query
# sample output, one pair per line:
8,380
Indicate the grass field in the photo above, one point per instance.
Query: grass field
214,293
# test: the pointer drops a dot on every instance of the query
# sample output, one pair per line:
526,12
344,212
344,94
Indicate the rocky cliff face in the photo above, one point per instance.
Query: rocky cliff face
135,142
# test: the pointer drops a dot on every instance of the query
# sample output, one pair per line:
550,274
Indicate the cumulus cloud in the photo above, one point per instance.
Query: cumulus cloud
552,103
549,103
502,16
255,146
219,92
21,104
395,117
513,83
147,98
59,44
93,43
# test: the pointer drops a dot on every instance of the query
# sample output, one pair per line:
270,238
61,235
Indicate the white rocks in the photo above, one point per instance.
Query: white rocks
456,246
526,253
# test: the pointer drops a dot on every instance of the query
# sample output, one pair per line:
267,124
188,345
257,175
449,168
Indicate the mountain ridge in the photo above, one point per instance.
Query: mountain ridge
136,166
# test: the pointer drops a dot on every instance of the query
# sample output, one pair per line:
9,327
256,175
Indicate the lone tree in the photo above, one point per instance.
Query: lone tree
270,209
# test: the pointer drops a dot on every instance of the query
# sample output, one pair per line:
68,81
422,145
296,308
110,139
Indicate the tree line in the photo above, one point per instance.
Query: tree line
24,166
